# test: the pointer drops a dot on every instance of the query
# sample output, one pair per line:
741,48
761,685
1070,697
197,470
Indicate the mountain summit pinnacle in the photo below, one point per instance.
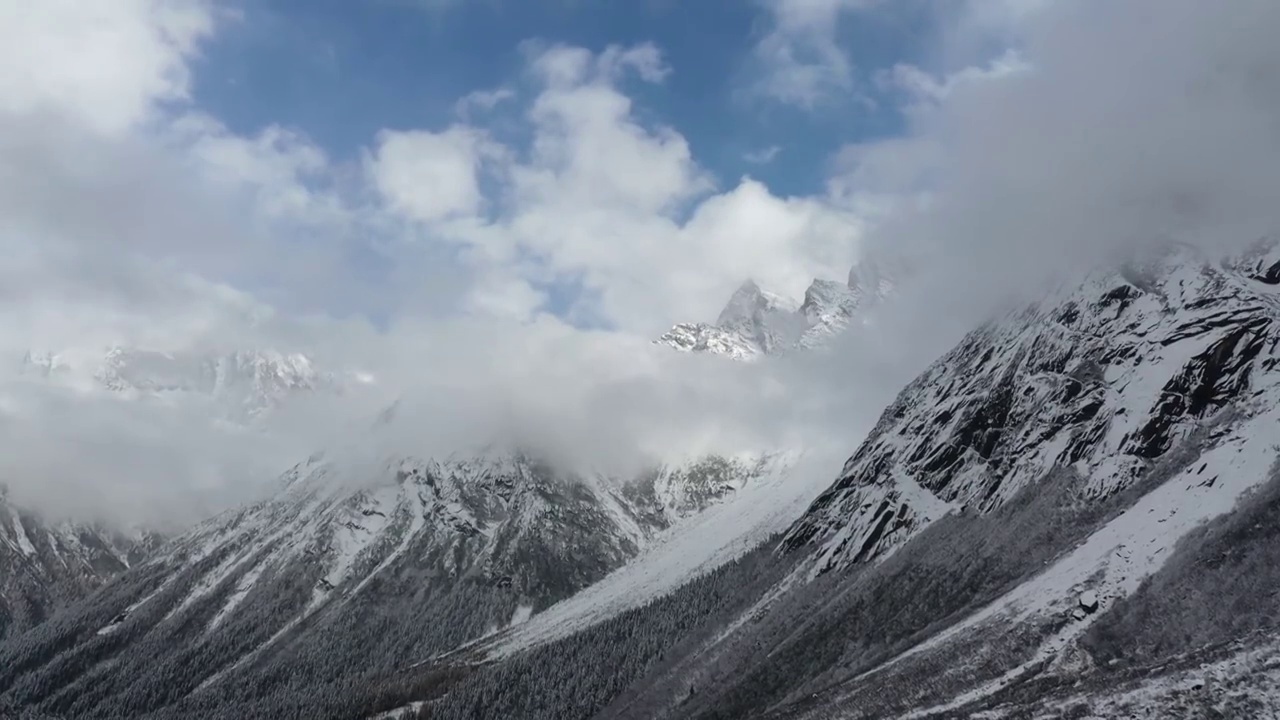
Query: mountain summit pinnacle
757,323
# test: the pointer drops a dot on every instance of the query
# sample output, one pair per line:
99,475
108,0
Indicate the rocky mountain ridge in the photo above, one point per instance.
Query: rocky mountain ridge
244,385
1015,526
756,323
1104,378
485,540
46,566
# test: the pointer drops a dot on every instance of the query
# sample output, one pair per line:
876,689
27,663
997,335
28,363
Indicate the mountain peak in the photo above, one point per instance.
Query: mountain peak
875,277
749,303
756,322
824,292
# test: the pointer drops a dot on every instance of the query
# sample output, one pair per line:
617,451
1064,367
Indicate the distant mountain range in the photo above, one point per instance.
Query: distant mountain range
444,550
243,385
45,565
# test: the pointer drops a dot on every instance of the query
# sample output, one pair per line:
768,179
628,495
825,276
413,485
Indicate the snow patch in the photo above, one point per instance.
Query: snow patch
522,614
1114,561
243,587
20,535
403,711
417,521
114,625
686,550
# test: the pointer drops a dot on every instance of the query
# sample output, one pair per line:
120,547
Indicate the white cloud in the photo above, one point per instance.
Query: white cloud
564,66
128,218
107,64
800,58
763,156
645,59
278,167
430,176
783,243
125,219
623,209
924,87
482,100
1134,122
155,226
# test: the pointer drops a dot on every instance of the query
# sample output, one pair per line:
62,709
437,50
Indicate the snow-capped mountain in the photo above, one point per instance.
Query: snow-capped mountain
1070,514
1105,379
754,323
757,323
445,550
724,531
1100,462
244,384
46,566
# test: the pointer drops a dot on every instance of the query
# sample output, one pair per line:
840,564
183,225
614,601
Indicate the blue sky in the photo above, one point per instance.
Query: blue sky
647,159
340,71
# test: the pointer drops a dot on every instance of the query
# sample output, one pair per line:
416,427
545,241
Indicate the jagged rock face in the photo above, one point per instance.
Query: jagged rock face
874,278
1104,378
828,306
766,320
244,385
753,323
505,518
707,338
756,323
44,567
1260,262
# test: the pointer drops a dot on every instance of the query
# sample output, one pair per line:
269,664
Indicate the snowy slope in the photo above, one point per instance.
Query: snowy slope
1244,684
451,518
1075,443
778,491
1154,385
346,549
753,323
45,566
1150,392
1114,560
1105,378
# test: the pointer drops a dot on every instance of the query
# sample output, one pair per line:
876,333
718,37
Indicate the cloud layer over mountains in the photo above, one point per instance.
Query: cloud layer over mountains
490,281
